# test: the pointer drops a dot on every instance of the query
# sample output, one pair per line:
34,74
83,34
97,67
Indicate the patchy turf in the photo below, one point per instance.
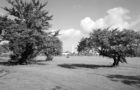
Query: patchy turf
74,73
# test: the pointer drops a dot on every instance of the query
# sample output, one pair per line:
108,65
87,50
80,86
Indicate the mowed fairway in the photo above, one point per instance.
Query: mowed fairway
74,73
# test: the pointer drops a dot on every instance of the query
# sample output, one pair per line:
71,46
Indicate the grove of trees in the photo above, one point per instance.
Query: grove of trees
26,31
112,43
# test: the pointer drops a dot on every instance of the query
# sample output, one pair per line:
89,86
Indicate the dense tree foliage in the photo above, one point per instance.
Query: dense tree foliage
84,47
114,43
26,33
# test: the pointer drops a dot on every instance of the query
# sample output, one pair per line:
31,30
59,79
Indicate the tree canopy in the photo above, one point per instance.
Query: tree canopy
26,33
84,46
113,43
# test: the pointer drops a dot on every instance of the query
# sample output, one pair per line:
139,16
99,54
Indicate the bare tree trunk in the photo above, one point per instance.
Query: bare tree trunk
114,63
49,57
118,60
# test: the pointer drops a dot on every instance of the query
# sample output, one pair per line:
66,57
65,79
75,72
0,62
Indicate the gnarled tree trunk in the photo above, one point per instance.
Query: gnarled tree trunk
116,61
49,57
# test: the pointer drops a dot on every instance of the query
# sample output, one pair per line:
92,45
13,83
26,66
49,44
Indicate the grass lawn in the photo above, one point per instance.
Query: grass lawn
74,73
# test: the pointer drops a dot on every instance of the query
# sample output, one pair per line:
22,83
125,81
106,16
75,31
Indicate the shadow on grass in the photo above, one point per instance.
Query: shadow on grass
6,62
39,62
128,80
91,66
11,64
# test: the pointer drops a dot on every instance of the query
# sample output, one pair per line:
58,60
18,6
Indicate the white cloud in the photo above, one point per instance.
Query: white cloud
115,18
88,24
70,38
136,25
70,33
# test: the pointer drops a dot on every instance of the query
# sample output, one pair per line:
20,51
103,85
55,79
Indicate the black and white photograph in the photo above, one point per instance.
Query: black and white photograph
69,44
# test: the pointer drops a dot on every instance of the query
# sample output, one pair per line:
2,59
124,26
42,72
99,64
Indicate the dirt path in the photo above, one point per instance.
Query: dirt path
75,73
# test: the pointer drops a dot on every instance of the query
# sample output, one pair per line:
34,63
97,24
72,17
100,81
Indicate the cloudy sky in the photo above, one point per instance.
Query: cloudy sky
76,18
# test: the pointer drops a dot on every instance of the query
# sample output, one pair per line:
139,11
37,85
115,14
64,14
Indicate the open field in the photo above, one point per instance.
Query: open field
74,73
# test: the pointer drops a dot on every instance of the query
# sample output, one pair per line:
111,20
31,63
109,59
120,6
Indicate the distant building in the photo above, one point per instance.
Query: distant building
66,53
